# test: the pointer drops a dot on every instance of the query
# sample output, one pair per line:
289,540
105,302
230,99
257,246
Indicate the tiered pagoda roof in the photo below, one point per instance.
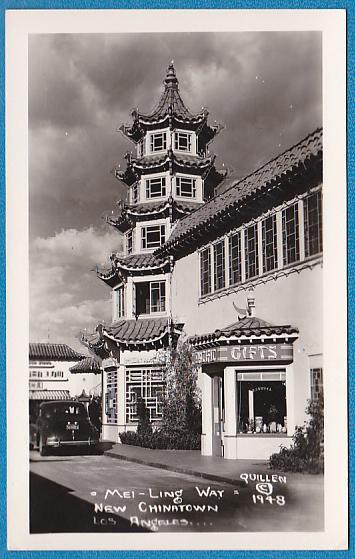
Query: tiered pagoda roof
127,215
244,199
169,161
139,334
134,264
171,111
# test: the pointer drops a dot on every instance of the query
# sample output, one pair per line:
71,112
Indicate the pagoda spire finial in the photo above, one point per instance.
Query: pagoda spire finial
171,79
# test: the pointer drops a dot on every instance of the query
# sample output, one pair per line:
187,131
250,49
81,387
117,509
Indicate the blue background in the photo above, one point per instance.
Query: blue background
153,4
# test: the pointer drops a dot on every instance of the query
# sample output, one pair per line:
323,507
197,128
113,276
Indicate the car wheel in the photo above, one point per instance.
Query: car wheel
43,449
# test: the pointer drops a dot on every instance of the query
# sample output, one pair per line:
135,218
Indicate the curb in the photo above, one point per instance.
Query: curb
176,469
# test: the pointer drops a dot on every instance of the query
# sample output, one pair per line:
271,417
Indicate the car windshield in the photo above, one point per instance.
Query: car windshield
64,409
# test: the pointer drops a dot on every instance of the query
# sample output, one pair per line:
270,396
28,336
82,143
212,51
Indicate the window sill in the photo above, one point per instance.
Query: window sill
265,435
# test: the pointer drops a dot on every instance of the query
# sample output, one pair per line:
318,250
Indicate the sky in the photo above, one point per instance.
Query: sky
265,87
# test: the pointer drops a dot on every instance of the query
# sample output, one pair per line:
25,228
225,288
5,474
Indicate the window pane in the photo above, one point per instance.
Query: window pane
182,141
251,251
205,263
313,237
130,242
316,383
155,187
120,302
235,268
158,142
186,186
219,265
153,236
290,236
157,296
269,236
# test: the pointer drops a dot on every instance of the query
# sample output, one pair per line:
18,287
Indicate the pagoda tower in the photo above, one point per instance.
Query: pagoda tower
171,174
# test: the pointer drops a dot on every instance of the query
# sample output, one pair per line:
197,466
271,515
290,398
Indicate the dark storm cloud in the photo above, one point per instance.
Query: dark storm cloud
265,87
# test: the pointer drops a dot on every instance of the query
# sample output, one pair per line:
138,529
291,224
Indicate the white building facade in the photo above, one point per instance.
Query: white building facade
235,264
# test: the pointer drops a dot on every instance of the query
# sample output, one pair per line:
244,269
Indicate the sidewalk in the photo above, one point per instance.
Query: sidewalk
190,462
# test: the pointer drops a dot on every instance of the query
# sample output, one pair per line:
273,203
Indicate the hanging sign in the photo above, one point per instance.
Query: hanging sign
244,354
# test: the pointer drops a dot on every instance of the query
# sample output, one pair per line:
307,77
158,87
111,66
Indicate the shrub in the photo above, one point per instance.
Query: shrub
160,440
306,453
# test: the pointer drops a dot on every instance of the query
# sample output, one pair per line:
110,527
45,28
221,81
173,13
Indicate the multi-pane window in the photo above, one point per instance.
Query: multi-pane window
186,187
158,142
219,265
130,241
111,397
313,238
182,141
290,234
145,385
235,262
265,246
269,243
155,188
251,251
153,236
205,266
135,193
150,297
119,295
316,383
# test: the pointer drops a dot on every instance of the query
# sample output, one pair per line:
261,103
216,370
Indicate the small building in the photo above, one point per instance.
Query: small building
50,376
235,263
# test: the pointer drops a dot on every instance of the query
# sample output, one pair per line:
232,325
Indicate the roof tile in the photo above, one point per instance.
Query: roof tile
54,352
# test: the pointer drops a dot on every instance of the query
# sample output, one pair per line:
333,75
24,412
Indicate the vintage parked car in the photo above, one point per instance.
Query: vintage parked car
64,423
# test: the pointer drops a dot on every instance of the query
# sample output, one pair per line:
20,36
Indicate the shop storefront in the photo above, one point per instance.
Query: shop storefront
246,404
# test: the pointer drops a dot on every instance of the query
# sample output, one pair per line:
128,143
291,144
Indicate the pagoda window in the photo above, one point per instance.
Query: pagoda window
290,234
269,243
141,148
135,193
120,302
150,297
235,261
155,188
205,269
158,142
186,187
313,241
130,241
153,236
251,251
219,265
182,141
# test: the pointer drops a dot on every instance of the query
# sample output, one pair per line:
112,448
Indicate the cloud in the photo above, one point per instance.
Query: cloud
65,297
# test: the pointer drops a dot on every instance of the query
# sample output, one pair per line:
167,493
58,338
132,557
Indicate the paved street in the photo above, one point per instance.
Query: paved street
102,494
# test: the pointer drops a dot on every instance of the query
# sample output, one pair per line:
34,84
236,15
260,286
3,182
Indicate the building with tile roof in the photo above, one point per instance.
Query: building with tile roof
171,174
234,263
51,376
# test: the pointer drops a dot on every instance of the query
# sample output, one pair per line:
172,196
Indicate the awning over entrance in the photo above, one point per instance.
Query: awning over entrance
247,327
250,340
49,395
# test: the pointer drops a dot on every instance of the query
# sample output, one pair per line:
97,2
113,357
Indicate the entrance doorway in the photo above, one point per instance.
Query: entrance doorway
218,416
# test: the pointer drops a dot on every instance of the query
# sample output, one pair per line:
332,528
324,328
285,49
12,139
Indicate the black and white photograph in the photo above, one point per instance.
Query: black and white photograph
176,378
